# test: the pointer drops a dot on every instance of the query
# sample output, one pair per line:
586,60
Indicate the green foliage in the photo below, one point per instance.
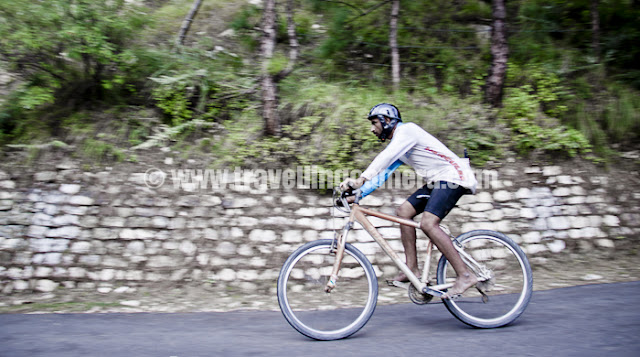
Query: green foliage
482,141
101,55
622,114
277,63
533,131
172,96
433,43
67,51
559,139
200,84
98,150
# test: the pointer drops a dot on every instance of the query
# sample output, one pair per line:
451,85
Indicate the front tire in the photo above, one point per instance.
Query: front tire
316,314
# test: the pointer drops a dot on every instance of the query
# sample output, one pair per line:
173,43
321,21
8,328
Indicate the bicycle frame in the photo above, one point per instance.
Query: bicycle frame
358,214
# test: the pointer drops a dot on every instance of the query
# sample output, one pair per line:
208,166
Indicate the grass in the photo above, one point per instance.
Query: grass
57,307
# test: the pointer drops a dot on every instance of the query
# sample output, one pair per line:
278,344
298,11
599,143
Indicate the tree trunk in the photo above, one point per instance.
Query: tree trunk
393,43
186,24
595,28
269,90
499,54
293,43
269,80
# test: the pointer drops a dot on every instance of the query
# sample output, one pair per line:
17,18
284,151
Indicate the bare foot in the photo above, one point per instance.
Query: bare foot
461,285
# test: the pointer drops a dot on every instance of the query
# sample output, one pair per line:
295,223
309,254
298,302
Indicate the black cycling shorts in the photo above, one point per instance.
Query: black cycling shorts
437,198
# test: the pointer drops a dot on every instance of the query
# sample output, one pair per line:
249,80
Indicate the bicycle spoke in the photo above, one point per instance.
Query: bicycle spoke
321,315
505,286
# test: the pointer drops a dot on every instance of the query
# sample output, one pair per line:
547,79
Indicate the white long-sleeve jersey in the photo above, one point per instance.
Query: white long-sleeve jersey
427,155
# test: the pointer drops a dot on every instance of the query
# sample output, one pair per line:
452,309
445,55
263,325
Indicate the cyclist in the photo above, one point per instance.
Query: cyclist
448,178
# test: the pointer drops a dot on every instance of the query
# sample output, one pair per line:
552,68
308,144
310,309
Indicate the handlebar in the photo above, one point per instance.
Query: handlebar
340,197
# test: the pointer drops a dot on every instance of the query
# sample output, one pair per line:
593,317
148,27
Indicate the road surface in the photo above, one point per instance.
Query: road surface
591,320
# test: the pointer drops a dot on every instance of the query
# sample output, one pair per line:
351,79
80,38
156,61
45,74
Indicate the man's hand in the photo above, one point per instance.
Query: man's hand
350,183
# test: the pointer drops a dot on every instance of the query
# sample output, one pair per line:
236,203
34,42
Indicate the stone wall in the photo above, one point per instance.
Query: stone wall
67,228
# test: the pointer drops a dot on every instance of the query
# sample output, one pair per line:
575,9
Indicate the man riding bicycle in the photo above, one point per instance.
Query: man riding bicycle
448,178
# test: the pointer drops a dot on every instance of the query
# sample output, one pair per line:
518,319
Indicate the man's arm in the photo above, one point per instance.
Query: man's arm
379,180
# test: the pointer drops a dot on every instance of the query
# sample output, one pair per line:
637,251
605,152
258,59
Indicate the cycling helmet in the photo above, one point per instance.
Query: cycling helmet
381,111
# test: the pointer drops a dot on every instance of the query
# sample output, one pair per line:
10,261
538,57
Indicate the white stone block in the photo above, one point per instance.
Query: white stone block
77,273
310,235
551,170
611,221
81,201
484,197
579,222
558,223
107,274
226,275
210,233
261,235
605,243
70,189
502,196
81,247
20,285
43,272
576,200
45,286
226,248
495,215
480,207
595,221
532,237
578,191
535,248
562,192
68,232
294,236
247,275
188,248
523,193
528,213
557,246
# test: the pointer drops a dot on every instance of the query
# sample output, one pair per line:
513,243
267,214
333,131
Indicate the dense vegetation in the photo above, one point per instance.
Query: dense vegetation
106,79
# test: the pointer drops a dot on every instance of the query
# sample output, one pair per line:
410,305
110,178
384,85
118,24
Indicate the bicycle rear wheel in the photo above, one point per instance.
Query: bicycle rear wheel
312,311
505,295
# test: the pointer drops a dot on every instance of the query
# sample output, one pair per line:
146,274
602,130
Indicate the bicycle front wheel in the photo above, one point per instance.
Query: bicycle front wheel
315,313
508,283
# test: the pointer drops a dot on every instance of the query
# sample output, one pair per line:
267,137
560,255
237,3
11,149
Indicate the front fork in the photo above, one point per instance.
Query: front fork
338,246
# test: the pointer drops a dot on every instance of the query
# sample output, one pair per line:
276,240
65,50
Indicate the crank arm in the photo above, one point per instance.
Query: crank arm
432,292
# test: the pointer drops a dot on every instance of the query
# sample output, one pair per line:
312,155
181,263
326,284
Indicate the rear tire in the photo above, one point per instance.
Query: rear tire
507,293
309,309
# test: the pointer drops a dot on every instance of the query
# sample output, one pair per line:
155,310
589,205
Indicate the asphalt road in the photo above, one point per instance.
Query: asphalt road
592,320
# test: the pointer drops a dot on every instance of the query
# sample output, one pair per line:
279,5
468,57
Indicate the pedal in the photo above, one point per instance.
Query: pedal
485,297
398,284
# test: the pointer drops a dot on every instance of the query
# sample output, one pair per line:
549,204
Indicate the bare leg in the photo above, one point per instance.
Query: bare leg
408,237
430,224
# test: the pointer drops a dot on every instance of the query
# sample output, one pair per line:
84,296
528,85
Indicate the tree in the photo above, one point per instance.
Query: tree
393,43
271,72
499,54
186,24
67,50
595,28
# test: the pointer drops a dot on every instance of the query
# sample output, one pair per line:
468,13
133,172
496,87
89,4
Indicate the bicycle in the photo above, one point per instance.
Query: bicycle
328,289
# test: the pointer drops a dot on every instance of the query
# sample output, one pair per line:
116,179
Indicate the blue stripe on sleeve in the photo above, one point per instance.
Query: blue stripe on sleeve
380,179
